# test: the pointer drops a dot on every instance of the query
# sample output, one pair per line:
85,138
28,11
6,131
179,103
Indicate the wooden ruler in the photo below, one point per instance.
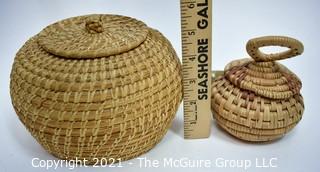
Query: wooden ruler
196,28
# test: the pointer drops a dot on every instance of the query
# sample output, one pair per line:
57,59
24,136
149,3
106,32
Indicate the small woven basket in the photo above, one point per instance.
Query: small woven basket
259,99
97,86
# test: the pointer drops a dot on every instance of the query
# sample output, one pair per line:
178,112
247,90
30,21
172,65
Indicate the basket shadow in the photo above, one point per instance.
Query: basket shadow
177,126
24,139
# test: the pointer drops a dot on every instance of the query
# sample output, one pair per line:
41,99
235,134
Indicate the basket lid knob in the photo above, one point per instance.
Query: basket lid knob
94,26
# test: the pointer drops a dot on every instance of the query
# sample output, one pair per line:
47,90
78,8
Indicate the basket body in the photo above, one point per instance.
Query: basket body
117,106
259,100
251,117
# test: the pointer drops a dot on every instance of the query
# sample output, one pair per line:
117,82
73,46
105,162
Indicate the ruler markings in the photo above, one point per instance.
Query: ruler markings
196,68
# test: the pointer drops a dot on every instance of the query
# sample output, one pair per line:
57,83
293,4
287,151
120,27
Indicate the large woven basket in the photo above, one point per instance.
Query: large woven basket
259,99
97,86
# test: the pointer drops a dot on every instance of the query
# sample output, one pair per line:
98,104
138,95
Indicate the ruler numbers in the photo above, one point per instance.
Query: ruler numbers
196,63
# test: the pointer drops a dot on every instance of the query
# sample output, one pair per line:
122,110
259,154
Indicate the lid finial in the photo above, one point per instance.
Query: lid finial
94,26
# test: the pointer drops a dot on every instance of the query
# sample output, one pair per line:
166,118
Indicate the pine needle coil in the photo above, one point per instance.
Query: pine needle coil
259,99
97,86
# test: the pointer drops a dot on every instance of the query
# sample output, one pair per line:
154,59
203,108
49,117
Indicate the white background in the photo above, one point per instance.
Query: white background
234,23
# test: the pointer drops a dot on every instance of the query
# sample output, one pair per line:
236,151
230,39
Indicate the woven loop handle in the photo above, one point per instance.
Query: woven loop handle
253,45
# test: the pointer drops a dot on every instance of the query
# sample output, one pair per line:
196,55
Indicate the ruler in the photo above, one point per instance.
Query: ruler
196,35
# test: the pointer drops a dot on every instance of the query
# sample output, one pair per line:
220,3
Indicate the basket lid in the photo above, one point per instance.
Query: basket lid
91,36
263,75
